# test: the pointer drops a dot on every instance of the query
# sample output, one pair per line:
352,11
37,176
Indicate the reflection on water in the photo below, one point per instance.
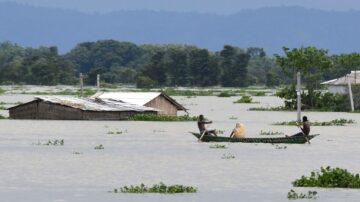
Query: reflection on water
150,152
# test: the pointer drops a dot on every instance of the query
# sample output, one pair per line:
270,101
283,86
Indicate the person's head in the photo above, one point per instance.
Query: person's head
304,119
238,125
201,117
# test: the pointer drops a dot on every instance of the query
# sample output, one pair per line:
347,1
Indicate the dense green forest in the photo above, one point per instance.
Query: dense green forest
151,65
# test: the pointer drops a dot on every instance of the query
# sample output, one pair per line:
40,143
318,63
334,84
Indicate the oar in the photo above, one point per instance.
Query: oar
202,134
306,138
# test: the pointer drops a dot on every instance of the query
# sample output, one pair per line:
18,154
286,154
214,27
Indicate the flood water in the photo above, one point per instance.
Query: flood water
153,152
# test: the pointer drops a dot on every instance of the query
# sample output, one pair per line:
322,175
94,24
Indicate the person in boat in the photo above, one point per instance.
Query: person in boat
305,129
239,131
202,128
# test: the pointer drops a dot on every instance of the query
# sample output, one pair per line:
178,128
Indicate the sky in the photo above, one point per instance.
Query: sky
203,6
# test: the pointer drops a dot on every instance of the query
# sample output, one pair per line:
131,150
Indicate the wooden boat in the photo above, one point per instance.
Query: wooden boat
272,140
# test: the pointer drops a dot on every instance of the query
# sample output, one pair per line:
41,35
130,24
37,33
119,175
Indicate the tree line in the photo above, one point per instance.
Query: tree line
152,65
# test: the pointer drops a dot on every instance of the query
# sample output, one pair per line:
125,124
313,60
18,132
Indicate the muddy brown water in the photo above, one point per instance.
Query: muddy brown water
153,152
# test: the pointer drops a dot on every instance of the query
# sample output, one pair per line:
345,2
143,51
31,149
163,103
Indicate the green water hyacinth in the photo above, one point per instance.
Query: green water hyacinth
156,188
292,195
329,178
154,117
335,122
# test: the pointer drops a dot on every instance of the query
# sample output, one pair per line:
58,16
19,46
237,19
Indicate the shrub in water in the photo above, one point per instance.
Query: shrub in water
329,178
157,188
244,99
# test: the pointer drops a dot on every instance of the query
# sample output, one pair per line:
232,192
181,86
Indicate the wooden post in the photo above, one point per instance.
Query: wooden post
350,94
81,85
298,93
98,82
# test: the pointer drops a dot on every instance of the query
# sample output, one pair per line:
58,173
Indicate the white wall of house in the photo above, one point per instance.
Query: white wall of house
341,89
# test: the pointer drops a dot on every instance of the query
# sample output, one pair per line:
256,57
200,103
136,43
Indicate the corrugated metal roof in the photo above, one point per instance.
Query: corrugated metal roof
94,104
354,78
138,98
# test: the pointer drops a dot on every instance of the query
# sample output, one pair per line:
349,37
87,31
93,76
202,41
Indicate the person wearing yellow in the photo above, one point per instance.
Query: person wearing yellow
239,131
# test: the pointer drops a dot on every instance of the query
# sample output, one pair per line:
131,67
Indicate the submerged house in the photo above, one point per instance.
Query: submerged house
160,101
72,108
340,85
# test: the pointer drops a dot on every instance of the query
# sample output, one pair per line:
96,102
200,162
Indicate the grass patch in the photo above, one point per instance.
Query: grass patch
292,195
329,178
269,133
335,122
218,146
154,117
156,188
100,146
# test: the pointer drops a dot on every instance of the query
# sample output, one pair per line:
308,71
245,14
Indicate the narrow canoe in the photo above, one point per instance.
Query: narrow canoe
272,140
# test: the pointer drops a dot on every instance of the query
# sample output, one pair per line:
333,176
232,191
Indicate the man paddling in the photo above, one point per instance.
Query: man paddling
201,125
305,129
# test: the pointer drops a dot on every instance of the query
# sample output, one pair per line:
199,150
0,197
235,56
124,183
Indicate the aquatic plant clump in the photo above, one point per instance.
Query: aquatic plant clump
218,146
292,195
270,133
244,99
51,143
100,146
226,94
156,188
329,178
228,156
335,122
154,117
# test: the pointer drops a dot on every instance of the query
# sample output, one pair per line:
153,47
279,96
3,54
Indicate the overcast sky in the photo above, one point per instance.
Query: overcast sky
208,6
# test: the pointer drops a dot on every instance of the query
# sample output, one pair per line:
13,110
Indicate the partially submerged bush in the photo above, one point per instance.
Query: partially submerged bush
226,94
329,178
244,99
154,117
156,188
292,195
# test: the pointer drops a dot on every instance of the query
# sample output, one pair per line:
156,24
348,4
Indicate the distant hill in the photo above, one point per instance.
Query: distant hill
270,28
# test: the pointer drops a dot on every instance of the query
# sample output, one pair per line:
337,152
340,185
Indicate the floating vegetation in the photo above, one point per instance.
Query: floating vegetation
218,146
76,153
154,117
292,195
116,132
2,91
51,143
271,133
226,94
329,178
156,188
233,117
244,99
228,156
86,92
335,122
269,109
3,117
219,132
100,146
188,93
280,147
257,93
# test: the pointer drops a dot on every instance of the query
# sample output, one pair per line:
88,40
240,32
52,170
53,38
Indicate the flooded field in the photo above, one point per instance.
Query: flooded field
153,152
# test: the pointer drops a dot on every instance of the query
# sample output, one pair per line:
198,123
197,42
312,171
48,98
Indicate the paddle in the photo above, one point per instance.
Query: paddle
202,134
306,138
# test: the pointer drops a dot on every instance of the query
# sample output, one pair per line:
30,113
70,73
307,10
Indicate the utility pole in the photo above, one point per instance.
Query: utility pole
98,82
81,85
298,93
350,93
